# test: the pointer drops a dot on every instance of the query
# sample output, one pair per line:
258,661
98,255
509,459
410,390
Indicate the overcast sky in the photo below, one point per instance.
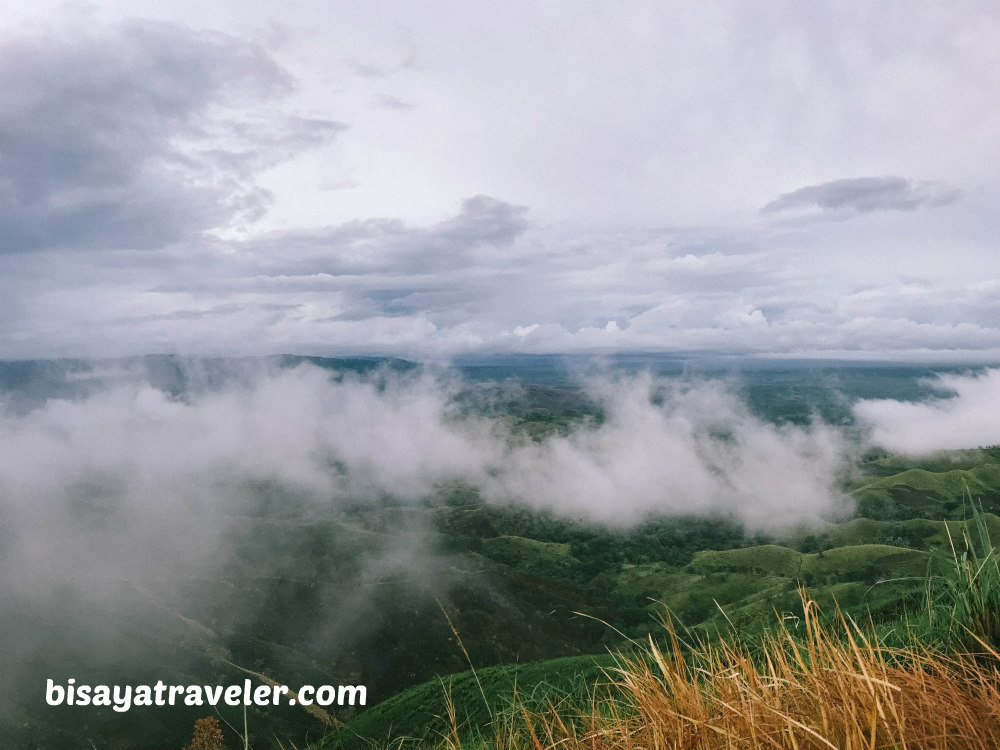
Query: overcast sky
434,178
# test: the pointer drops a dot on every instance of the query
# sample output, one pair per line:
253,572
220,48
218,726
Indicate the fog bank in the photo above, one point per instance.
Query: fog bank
965,416
156,460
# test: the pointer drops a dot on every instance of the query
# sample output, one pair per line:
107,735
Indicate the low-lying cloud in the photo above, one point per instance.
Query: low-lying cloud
127,481
131,478
674,448
964,416
129,500
155,490
662,448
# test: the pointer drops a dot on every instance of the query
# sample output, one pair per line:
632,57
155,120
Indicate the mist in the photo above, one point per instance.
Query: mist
129,482
670,447
133,496
964,415
162,465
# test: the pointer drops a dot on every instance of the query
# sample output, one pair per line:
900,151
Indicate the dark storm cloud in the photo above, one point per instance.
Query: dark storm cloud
120,137
864,194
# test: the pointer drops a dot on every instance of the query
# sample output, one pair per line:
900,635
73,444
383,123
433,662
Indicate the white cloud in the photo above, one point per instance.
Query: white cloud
132,479
678,448
129,488
965,416
560,167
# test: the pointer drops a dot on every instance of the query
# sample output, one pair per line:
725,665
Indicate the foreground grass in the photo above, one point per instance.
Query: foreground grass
817,687
932,682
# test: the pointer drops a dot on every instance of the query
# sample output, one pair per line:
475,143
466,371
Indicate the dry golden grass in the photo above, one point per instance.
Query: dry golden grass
207,735
819,687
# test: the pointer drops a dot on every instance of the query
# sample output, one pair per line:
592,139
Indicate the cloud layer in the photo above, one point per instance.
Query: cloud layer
137,137
965,416
228,181
132,481
128,496
126,482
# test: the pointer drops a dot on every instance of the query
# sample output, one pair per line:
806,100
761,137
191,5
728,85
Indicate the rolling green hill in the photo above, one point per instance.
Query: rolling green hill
331,594
419,715
920,493
871,566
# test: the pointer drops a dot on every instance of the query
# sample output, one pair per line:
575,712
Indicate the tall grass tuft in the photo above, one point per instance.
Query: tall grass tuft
827,687
964,602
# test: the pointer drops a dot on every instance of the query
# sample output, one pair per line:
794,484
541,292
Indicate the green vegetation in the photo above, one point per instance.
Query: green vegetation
537,601
921,493
481,700
923,568
403,596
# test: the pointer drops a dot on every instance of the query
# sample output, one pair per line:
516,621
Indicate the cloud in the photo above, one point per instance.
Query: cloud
125,485
964,416
481,278
116,479
131,479
865,194
388,101
150,136
126,137
390,247
486,220
404,57
675,448
491,277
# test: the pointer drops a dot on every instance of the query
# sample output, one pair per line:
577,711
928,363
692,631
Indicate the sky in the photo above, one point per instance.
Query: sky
443,178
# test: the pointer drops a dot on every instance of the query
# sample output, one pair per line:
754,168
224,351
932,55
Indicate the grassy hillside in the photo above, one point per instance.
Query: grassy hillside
481,701
921,493
372,593
871,568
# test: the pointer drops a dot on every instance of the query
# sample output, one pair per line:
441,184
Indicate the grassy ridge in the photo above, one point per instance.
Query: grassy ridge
419,716
833,683
774,560
822,687
874,569
922,493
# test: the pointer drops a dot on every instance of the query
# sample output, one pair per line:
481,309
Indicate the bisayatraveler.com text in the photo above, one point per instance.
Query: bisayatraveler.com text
123,697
